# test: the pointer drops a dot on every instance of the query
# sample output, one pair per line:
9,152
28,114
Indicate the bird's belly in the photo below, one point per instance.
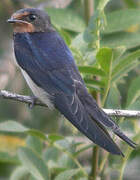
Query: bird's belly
37,91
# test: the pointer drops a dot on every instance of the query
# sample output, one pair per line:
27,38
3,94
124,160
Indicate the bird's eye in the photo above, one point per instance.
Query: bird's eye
32,17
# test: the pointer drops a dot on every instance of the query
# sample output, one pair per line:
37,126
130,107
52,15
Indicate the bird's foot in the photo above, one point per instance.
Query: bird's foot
33,101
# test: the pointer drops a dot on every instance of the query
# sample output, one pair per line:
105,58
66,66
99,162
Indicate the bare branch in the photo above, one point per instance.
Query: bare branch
122,113
28,99
20,98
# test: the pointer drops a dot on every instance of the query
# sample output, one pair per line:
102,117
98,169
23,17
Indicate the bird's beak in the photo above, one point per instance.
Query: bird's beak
13,20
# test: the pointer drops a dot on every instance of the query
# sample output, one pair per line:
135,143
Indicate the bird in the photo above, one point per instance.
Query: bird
50,71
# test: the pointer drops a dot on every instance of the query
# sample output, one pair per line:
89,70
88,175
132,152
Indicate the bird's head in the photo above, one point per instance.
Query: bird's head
30,20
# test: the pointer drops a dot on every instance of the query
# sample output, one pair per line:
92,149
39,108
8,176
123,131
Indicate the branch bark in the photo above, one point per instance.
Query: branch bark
20,98
28,100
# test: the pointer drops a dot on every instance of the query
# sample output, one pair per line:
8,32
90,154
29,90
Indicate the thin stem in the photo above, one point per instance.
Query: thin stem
106,92
95,153
108,84
127,154
88,5
103,103
103,162
88,8
98,35
95,157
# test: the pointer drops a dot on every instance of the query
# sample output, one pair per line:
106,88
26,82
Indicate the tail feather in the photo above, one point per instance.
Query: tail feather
82,120
101,117
119,133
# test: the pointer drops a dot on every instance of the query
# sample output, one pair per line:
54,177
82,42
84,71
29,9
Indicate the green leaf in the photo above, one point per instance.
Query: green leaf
52,154
91,70
66,19
54,137
79,43
133,91
93,87
19,173
105,57
131,3
32,178
37,133
67,175
33,163
102,4
117,53
65,36
127,39
90,34
7,158
68,147
12,126
124,71
66,144
135,105
34,143
65,161
122,20
83,149
113,98
123,63
94,82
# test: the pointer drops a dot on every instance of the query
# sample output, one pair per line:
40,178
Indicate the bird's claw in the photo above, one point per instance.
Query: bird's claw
32,103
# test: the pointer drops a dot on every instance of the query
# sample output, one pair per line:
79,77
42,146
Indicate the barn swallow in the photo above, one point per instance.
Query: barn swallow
49,68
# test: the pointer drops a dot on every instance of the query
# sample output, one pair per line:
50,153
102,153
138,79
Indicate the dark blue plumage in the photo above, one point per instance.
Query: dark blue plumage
47,60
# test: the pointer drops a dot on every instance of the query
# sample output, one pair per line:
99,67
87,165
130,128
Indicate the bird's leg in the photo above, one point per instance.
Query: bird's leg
33,101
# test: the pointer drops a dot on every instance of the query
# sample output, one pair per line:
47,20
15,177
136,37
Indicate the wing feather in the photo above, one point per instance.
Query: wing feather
83,122
49,63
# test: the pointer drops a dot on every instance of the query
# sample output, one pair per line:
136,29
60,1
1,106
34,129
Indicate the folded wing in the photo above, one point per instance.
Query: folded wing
51,66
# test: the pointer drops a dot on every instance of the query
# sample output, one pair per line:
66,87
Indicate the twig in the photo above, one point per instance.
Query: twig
20,98
122,113
28,100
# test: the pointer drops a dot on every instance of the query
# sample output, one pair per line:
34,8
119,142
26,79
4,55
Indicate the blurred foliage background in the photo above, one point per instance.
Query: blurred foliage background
106,47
